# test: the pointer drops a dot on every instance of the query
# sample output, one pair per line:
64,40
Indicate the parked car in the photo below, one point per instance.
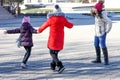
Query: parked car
35,5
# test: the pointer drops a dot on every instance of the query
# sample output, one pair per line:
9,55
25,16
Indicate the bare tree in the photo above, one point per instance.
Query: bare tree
15,4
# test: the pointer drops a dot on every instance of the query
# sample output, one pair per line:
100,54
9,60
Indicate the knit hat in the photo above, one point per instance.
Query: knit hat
98,6
57,8
26,19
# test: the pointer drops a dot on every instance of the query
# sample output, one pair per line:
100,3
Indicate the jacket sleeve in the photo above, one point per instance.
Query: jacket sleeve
43,27
33,30
108,22
68,24
17,30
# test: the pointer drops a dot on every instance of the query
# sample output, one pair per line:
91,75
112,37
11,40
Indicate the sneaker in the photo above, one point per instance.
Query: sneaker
23,65
61,70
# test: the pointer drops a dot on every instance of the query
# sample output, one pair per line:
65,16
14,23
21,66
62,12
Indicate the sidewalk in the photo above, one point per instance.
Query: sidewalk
77,55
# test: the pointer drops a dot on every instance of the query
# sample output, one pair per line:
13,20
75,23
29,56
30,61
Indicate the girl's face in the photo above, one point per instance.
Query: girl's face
93,13
96,11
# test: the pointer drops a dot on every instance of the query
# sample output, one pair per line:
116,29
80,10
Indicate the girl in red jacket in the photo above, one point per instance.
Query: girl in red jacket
56,21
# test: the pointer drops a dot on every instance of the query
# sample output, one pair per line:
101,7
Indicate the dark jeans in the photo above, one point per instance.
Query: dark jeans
54,55
27,54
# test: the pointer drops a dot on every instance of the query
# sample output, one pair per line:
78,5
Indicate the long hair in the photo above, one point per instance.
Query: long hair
92,13
98,14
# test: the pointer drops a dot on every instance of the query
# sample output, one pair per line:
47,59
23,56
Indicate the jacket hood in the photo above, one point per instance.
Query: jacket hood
104,12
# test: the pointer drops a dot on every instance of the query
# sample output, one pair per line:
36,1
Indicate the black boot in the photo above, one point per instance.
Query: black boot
98,55
52,65
60,66
105,53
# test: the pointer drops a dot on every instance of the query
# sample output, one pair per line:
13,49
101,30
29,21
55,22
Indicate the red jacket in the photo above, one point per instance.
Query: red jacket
56,34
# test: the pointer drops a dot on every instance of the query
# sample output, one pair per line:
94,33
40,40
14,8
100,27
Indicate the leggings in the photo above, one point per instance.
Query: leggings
100,41
27,54
54,55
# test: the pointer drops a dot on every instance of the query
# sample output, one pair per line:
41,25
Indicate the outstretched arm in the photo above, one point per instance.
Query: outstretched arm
33,30
68,24
43,27
17,30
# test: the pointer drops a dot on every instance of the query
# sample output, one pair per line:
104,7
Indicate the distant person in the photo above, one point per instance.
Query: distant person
56,22
12,9
25,38
103,26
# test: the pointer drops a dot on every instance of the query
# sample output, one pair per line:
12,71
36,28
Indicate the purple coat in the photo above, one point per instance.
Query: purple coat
25,31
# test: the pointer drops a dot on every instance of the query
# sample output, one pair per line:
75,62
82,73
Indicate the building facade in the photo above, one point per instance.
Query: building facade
108,3
59,1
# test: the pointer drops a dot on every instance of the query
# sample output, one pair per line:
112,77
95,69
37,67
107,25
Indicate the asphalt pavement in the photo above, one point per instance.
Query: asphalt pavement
76,56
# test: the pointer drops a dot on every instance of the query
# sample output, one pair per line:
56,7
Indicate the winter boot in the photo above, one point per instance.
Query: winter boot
60,66
52,65
105,53
98,55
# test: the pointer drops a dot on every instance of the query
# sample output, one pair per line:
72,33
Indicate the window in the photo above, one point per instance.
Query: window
39,0
93,1
65,0
60,1
29,1
85,1
49,0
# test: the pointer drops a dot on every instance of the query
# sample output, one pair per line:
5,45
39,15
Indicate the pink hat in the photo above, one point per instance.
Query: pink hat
26,19
98,6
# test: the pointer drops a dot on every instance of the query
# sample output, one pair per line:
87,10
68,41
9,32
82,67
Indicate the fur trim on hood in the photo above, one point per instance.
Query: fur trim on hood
55,14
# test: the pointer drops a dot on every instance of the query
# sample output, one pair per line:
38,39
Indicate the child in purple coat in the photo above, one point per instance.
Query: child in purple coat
25,37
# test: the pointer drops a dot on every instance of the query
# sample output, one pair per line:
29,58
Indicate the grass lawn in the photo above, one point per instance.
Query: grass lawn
36,10
45,10
113,9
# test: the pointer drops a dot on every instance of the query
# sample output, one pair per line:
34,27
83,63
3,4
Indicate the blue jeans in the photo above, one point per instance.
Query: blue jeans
100,41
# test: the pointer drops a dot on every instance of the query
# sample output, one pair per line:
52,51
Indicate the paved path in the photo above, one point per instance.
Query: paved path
77,55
